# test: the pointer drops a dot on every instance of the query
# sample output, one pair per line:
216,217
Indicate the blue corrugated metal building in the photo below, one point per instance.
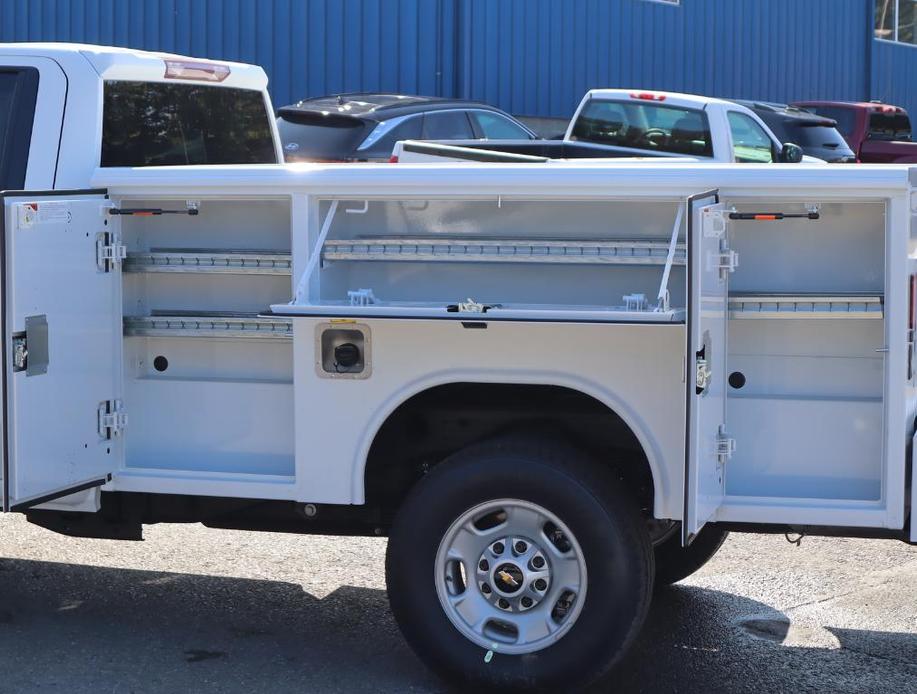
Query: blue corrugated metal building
532,57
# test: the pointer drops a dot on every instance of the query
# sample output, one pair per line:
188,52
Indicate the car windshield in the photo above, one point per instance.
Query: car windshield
319,139
161,124
643,125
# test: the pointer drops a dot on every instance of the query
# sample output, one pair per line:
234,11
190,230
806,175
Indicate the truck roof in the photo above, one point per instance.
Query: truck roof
867,105
676,98
114,63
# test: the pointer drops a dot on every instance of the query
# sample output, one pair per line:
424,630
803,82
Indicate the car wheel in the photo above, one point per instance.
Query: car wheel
518,564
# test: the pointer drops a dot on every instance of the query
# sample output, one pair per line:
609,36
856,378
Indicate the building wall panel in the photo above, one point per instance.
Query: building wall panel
534,57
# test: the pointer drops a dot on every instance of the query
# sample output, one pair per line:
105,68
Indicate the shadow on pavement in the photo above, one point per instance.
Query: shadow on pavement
90,628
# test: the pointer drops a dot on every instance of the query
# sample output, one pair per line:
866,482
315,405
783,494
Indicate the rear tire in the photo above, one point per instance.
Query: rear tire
674,562
578,528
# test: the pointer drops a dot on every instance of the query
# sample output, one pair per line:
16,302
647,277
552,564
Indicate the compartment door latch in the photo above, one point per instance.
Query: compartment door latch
112,418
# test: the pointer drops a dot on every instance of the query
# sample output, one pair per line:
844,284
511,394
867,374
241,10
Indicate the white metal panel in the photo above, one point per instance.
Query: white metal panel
636,370
708,288
54,443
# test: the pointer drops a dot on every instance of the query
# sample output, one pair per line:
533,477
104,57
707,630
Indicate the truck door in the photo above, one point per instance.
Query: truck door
61,348
707,443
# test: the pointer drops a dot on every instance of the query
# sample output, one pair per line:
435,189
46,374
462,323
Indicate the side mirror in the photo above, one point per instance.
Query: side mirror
790,154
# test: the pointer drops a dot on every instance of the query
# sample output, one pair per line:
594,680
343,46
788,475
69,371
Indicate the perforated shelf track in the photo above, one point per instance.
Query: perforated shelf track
237,262
517,250
208,324
806,306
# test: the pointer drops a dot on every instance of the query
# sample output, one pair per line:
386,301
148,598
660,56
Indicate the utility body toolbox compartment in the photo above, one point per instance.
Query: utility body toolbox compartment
751,326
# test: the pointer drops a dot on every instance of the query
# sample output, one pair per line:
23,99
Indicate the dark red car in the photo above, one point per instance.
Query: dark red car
878,133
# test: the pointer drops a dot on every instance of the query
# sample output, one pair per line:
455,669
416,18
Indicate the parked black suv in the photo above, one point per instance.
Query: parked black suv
365,127
817,135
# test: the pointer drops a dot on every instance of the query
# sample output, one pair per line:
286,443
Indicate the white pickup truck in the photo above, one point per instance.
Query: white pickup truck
628,123
551,389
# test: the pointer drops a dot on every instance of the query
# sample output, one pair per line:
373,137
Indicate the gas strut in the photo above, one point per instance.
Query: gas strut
150,211
771,216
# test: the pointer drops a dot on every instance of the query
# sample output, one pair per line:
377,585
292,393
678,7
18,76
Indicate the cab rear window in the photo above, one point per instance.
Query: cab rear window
163,124
889,126
643,125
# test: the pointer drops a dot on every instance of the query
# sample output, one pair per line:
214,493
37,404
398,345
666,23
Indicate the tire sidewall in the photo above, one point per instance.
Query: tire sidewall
618,568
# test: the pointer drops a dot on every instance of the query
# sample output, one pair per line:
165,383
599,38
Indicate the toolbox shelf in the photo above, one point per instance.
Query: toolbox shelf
504,250
208,324
757,306
241,262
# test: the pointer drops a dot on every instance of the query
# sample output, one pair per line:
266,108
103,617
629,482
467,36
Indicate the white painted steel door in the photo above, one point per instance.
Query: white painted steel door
707,444
61,346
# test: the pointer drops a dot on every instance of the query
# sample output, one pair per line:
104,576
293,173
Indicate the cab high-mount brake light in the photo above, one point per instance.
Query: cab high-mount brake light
195,70
647,96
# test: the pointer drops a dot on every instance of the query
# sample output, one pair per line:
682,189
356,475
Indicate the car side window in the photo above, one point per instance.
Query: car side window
750,143
447,125
493,126
409,129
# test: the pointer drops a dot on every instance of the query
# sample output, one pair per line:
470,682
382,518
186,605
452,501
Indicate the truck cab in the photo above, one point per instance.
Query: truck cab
70,108
672,123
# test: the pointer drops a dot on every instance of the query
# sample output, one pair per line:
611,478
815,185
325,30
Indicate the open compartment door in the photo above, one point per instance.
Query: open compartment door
61,346
707,444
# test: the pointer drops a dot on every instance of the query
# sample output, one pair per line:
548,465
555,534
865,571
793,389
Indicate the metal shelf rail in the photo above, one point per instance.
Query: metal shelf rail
805,306
208,324
241,262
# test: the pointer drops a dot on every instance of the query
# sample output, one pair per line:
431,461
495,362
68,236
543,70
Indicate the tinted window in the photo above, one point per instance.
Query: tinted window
493,126
806,134
313,141
18,90
410,129
889,126
447,125
158,124
645,125
750,143
845,117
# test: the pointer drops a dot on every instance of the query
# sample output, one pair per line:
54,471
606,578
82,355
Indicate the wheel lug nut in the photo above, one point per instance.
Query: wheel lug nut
485,589
503,603
538,562
521,547
483,566
541,584
526,602
498,548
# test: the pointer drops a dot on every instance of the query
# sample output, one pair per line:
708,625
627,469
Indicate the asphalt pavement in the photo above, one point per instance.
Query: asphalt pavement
198,610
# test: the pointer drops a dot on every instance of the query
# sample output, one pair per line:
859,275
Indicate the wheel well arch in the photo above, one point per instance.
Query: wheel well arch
428,424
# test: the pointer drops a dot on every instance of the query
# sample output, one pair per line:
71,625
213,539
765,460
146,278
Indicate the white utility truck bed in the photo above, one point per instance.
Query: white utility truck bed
545,385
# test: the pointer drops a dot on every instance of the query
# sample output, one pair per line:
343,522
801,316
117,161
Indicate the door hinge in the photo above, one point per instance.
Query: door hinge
112,418
725,447
109,250
727,260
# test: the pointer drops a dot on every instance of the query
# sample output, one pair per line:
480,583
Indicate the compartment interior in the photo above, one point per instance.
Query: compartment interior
806,371
512,255
208,380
